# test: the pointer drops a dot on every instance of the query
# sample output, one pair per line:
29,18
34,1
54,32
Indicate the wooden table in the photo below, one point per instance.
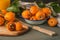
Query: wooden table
35,35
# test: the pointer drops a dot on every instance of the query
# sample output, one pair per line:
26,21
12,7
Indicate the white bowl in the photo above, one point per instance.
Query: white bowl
36,22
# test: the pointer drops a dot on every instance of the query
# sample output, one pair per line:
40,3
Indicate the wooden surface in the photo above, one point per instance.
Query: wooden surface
5,32
40,29
35,35
45,31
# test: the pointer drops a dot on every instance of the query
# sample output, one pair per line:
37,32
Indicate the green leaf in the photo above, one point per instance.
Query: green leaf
14,6
13,9
41,4
55,6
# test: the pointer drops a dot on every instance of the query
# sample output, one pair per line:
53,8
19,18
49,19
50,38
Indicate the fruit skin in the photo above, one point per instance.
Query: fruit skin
40,15
2,20
14,26
33,18
52,22
11,26
26,14
19,26
3,12
47,11
34,10
1,15
4,4
9,16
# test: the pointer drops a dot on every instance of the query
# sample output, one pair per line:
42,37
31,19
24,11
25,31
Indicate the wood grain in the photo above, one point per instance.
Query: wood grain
5,32
45,31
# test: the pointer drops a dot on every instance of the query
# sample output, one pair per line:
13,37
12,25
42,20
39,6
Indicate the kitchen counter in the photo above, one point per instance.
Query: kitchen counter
35,35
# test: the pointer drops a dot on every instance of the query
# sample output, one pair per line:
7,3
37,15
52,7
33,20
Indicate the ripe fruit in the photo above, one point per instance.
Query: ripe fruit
4,4
47,11
1,15
40,15
11,26
3,12
52,22
34,10
14,26
2,20
33,18
26,14
9,16
19,26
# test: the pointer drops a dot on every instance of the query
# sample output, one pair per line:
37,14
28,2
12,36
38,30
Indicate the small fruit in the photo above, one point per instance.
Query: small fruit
19,26
40,15
26,14
14,26
34,10
9,16
1,15
2,20
33,18
11,26
47,11
52,22
3,12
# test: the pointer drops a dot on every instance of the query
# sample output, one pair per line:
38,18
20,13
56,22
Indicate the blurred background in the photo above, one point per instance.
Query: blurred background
45,1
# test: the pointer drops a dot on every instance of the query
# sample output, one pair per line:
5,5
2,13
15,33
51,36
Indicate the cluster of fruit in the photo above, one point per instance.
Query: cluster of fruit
35,13
8,19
